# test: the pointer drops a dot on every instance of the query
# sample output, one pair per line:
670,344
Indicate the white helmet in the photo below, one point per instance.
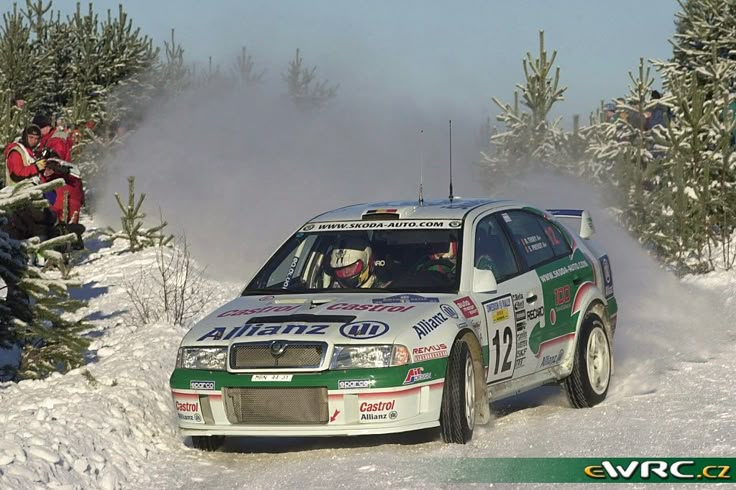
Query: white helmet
352,263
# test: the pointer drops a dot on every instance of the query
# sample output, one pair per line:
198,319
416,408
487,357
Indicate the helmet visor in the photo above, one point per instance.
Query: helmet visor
349,271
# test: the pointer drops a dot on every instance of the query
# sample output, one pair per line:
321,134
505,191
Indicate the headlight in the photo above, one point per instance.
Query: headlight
368,356
209,358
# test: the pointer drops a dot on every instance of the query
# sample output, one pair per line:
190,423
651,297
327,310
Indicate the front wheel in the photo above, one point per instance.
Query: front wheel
588,383
207,443
457,416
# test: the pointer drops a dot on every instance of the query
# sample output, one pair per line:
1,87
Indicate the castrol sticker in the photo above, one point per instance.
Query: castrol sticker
188,408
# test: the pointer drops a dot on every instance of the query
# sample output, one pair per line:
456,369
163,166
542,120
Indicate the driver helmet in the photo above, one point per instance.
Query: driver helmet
352,263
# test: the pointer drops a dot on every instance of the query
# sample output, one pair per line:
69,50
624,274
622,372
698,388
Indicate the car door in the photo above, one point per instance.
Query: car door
504,310
547,255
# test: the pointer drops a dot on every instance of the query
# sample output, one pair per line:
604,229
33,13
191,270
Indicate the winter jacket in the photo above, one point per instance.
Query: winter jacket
659,115
19,163
72,188
59,141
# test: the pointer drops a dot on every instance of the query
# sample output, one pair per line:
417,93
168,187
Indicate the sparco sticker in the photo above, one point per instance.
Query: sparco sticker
201,385
349,384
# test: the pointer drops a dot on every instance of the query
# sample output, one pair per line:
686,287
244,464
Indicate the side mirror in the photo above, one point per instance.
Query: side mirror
484,281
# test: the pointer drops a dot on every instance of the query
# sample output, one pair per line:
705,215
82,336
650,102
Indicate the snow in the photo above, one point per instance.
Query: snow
111,423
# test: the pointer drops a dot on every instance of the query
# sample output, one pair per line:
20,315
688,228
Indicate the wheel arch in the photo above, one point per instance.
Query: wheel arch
596,306
482,401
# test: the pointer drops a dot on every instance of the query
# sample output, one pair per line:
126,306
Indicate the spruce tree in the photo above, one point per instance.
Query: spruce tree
529,137
34,315
700,78
17,72
132,220
304,88
244,72
174,76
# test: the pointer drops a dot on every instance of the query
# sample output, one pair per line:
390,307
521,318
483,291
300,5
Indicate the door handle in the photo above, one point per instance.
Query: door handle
531,298
576,280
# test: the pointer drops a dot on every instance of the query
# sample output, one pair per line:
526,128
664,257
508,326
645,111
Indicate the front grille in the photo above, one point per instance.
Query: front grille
291,355
271,406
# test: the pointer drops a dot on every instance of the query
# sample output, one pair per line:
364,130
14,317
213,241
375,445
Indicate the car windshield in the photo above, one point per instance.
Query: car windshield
387,260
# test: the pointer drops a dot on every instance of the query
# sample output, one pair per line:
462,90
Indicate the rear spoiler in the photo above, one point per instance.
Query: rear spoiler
587,229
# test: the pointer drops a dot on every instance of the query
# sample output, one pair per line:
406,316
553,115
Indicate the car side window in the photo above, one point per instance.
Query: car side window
528,237
556,238
493,251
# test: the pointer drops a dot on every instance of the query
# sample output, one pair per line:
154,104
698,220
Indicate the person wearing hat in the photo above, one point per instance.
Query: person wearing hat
20,162
53,138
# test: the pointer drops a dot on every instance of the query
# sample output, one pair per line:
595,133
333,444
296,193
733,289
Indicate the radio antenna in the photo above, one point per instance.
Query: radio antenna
421,167
451,193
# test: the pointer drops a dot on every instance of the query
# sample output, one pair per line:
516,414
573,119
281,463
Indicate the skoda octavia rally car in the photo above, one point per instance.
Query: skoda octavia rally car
396,316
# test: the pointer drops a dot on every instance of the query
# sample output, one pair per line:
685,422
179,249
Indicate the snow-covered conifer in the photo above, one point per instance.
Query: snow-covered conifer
528,137
34,310
132,222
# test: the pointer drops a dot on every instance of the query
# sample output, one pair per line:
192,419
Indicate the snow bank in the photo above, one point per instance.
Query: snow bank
97,426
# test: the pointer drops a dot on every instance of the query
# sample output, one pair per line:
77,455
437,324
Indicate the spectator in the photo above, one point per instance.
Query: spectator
20,162
18,102
70,194
660,114
609,112
54,138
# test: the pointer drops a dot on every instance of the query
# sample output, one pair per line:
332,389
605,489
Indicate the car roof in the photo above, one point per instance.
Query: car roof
434,209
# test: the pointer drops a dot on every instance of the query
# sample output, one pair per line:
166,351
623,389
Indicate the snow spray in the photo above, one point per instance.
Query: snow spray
662,319
239,171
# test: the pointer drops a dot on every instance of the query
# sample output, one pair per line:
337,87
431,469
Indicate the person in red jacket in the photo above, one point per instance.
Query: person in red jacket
72,191
20,162
54,138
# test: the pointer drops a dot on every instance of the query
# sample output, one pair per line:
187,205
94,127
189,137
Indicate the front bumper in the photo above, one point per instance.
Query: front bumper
398,399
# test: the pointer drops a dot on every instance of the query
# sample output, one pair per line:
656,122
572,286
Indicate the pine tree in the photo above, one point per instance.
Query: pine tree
529,137
701,27
174,76
34,313
699,144
132,218
304,88
16,54
700,78
244,72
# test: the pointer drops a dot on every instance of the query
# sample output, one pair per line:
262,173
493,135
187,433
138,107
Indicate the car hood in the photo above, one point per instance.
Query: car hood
336,318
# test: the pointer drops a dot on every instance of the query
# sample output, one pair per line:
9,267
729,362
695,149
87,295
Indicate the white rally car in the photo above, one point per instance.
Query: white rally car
396,316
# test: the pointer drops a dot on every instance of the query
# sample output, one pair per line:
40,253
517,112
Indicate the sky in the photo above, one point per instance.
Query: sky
237,173
447,54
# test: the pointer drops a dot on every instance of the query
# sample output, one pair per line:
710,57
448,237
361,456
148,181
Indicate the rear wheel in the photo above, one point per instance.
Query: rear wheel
208,443
588,383
457,416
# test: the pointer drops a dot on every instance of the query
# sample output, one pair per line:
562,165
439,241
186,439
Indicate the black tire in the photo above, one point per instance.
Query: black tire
457,415
581,390
207,443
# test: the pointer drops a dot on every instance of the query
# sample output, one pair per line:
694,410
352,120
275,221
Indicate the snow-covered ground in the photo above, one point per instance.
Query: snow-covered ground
111,424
